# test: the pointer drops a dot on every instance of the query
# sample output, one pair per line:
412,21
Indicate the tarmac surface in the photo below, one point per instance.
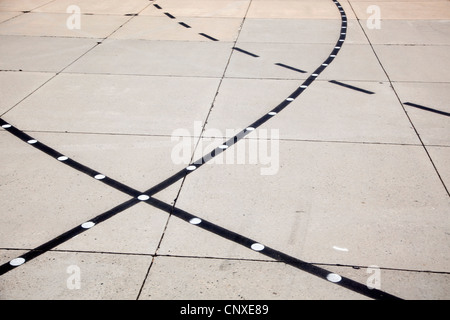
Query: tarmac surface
329,122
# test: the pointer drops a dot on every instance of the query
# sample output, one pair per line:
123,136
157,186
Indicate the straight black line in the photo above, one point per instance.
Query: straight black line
246,52
427,108
290,68
208,36
36,252
169,15
351,87
68,161
157,6
184,25
269,252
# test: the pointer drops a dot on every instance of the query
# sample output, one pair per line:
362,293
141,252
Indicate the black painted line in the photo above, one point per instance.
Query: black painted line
36,252
246,52
351,87
169,15
350,284
184,25
157,6
66,160
418,106
290,68
269,252
208,36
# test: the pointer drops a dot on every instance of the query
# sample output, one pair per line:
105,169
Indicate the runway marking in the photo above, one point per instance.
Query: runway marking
146,197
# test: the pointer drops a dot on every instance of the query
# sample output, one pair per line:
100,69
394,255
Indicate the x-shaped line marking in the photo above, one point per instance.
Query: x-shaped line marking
147,196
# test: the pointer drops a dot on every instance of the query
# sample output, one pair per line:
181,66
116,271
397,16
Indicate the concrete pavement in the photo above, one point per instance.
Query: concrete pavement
352,177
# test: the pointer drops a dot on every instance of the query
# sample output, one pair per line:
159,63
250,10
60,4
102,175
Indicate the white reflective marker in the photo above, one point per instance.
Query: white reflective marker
257,246
17,262
333,277
195,221
88,225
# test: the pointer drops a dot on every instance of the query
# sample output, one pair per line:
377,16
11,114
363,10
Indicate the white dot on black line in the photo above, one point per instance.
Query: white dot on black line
17,262
250,129
333,55
272,113
223,146
6,126
303,86
314,74
290,99
143,197
99,177
32,141
62,158
191,168
195,221
333,277
324,64
257,247
88,225
337,47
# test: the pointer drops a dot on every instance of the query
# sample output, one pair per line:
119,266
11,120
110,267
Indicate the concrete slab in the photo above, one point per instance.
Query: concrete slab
441,159
99,276
38,196
410,32
349,186
162,28
199,8
5,16
137,161
17,85
23,5
222,280
55,25
402,62
277,9
193,59
345,67
41,53
96,7
262,62
137,230
299,31
430,112
370,200
403,9
102,104
376,118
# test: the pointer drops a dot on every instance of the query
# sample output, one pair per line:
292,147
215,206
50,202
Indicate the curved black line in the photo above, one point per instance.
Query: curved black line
227,234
